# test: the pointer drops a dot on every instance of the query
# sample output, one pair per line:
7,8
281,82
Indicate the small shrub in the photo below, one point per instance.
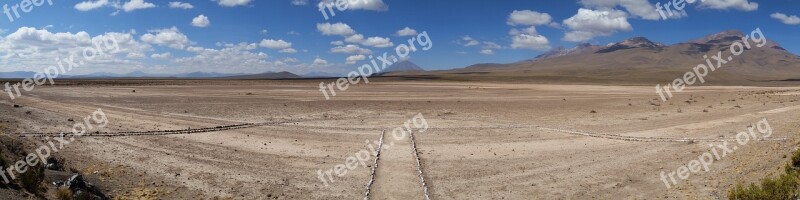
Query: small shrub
786,186
32,179
64,193
783,187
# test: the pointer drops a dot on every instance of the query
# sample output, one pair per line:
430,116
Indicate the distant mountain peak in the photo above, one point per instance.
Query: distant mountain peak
561,51
721,37
635,42
640,42
402,66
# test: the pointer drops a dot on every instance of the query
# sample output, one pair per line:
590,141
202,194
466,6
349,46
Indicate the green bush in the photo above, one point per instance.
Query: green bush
785,186
32,179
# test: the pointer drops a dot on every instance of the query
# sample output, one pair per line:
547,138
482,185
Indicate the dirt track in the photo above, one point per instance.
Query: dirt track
486,140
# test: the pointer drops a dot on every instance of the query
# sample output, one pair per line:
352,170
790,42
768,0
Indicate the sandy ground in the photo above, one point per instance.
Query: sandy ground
485,140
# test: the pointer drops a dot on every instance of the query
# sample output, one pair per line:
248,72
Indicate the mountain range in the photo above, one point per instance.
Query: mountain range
639,60
635,60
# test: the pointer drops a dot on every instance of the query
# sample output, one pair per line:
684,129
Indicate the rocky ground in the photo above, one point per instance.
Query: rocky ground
484,141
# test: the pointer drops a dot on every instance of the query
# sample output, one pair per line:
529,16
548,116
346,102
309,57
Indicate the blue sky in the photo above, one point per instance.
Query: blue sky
253,36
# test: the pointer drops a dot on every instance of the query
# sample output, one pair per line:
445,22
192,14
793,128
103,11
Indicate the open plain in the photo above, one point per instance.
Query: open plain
485,140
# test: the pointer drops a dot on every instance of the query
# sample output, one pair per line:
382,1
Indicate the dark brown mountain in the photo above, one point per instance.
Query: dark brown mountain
639,60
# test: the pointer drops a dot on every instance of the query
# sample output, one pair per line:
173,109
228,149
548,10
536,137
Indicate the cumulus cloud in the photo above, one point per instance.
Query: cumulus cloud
341,29
232,57
90,5
30,49
377,42
743,5
288,50
180,5
135,55
467,41
201,21
129,6
530,31
165,55
533,42
350,49
487,52
171,37
354,58
528,18
136,5
587,24
233,3
337,43
357,38
786,19
373,5
638,8
275,44
320,62
406,32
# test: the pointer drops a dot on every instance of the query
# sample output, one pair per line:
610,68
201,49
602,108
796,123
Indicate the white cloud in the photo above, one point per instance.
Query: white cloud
136,5
357,38
264,31
406,32
320,62
639,8
487,52
373,5
491,45
528,18
165,55
201,21
530,31
377,42
90,5
180,5
350,49
299,2
233,57
275,44
533,42
468,41
337,43
171,37
30,49
288,50
233,3
354,58
743,5
587,24
135,55
786,19
335,29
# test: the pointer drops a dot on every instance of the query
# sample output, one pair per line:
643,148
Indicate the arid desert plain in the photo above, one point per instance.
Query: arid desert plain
482,140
